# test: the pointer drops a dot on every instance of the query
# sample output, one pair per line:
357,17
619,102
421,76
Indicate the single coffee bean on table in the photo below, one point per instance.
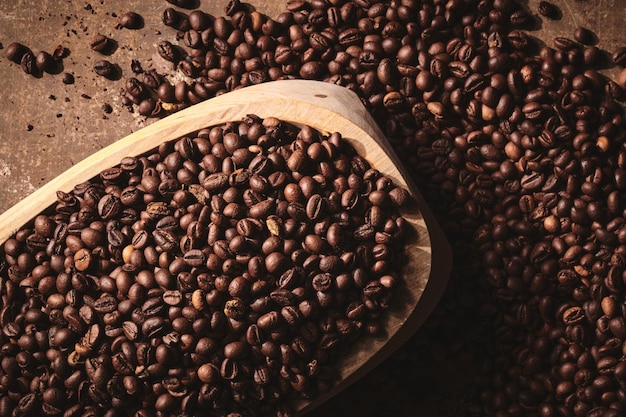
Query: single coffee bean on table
130,20
136,287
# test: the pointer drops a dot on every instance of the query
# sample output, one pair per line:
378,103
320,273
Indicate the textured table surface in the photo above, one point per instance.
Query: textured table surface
47,126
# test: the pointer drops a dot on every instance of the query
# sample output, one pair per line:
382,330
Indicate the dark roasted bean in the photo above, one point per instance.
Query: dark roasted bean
130,20
548,10
518,152
106,69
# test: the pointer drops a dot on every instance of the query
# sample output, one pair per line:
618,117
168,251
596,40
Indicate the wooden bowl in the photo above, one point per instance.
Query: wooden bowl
327,108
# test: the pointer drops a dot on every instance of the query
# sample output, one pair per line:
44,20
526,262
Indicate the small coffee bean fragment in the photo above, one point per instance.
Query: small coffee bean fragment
60,52
167,51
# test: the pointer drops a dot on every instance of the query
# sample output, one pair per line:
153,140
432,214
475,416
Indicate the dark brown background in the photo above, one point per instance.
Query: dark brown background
68,122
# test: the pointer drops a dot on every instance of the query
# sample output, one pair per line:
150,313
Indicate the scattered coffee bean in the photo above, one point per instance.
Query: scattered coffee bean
60,52
167,51
619,56
106,69
45,62
584,36
528,195
548,10
100,43
68,78
15,51
130,20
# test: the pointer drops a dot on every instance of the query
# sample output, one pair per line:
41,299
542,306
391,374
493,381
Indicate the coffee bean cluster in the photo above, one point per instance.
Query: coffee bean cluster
222,273
517,146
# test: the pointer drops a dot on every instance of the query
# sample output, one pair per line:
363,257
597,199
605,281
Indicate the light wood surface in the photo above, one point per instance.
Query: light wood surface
327,108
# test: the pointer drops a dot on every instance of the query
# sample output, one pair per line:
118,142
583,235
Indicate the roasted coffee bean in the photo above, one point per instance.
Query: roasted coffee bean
15,51
130,20
311,70
194,257
518,155
105,304
105,69
45,62
548,10
182,3
82,259
619,56
28,62
135,88
100,43
167,51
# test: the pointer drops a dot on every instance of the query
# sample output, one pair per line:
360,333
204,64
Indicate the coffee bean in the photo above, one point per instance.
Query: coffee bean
584,36
315,207
573,315
15,51
619,56
467,87
68,78
167,51
45,62
548,10
130,20
565,44
100,43
28,62
109,206
106,69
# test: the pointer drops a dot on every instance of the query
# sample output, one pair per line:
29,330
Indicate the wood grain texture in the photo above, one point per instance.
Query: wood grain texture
327,108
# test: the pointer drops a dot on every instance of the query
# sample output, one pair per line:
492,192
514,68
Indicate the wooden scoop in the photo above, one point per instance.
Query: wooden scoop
327,108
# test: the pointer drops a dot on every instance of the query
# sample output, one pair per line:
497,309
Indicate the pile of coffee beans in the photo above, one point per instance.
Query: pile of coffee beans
518,147
36,64
221,274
